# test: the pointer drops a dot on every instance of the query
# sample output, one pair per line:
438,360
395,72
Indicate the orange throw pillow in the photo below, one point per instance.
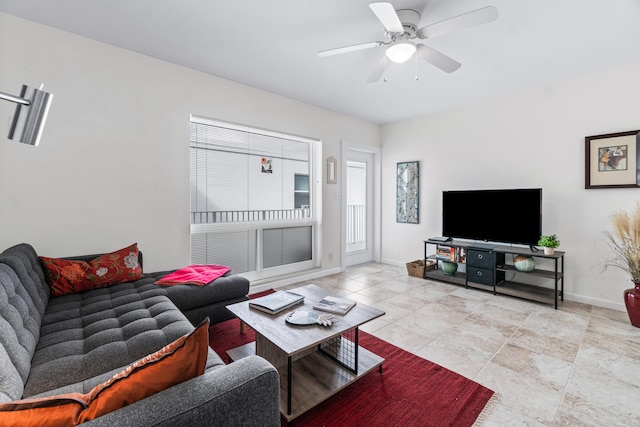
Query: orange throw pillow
54,411
183,359
70,277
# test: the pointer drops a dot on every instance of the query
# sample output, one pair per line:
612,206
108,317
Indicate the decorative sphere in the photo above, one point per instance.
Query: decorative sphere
449,267
524,263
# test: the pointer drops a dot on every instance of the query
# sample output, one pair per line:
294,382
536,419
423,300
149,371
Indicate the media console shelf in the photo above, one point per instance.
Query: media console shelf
490,267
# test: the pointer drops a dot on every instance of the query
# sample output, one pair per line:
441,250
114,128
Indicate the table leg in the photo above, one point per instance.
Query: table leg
555,277
289,385
356,341
562,280
243,327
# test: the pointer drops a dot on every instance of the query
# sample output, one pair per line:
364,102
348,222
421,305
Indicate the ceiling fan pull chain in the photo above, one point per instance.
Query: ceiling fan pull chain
416,56
386,62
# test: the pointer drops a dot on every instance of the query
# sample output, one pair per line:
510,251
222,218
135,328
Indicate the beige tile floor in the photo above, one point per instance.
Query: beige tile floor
575,366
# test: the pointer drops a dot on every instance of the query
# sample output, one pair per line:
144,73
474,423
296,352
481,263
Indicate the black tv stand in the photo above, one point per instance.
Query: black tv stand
490,267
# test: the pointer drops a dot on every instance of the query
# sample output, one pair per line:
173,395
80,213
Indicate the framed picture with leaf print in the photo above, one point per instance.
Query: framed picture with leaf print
408,192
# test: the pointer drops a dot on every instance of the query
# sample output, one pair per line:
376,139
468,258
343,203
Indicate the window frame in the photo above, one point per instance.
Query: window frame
259,226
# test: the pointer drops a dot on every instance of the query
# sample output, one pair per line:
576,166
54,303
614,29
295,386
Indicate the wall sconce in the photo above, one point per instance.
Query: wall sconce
332,165
31,114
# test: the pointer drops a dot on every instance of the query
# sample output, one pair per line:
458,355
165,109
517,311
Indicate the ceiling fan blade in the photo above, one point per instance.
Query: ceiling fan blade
378,70
348,49
437,59
388,16
466,20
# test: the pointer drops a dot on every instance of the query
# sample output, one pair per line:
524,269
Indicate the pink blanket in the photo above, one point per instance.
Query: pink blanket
195,274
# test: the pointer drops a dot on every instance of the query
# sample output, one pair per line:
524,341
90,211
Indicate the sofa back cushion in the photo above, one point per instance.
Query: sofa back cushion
24,294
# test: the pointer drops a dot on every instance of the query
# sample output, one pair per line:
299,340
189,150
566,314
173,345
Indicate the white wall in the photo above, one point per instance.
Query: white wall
530,139
112,167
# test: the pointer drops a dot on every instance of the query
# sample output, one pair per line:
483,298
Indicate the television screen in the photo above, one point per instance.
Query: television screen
509,216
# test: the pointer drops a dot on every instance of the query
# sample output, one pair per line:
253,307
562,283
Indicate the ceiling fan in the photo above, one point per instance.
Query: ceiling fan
402,36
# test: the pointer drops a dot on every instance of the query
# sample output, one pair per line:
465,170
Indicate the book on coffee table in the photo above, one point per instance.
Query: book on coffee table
335,305
276,302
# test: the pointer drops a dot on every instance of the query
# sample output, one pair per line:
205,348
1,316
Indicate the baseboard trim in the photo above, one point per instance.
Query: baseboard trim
394,262
595,301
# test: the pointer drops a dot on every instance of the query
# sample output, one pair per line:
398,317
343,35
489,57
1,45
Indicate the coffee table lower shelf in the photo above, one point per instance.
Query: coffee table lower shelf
315,377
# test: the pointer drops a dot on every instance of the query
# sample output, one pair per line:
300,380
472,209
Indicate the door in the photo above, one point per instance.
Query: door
359,219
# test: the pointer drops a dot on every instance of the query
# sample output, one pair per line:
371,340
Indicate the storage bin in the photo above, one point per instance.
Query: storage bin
416,268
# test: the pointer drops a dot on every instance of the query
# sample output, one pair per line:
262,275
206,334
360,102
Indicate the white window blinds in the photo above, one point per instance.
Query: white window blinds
242,175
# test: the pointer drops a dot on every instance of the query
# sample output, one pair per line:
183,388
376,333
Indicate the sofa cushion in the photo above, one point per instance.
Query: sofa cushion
67,276
179,361
84,335
23,299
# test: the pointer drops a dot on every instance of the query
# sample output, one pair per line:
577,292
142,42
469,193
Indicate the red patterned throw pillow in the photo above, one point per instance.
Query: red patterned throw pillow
70,277
183,359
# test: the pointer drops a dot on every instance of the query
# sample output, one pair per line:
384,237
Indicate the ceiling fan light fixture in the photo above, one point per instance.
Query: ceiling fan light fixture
400,52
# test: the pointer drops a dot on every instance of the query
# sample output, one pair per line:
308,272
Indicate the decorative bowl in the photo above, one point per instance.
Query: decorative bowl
524,263
449,267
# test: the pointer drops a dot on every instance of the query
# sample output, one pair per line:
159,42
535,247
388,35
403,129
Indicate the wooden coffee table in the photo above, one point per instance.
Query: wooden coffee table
314,362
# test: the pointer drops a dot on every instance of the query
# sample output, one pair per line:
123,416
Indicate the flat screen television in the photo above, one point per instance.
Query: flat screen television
506,216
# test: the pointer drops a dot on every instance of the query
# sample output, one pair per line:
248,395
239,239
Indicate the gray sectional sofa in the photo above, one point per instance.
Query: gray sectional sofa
71,343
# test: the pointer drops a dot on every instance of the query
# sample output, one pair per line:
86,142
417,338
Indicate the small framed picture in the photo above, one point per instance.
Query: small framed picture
612,160
266,165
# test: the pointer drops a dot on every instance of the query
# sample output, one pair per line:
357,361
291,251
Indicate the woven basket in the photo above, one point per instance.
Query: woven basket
416,268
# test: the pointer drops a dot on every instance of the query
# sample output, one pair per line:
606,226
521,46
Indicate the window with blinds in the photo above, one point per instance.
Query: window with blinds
248,187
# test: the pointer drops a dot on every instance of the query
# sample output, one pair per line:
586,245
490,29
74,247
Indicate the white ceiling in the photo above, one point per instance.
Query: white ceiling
273,45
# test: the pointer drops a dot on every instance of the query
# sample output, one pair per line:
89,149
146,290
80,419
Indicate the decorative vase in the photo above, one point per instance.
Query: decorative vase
449,267
524,263
549,251
632,302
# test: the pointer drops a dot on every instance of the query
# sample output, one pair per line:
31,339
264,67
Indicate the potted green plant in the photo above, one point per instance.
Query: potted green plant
549,242
624,242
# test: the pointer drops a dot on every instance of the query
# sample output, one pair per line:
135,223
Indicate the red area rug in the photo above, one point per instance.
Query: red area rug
411,391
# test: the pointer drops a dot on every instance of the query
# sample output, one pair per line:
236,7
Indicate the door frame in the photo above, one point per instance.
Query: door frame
375,203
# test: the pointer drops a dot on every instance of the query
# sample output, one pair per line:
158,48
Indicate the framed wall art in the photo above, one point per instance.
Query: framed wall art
266,165
612,160
408,192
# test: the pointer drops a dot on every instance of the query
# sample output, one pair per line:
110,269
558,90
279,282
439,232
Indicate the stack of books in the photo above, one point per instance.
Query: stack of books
276,302
448,253
335,305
